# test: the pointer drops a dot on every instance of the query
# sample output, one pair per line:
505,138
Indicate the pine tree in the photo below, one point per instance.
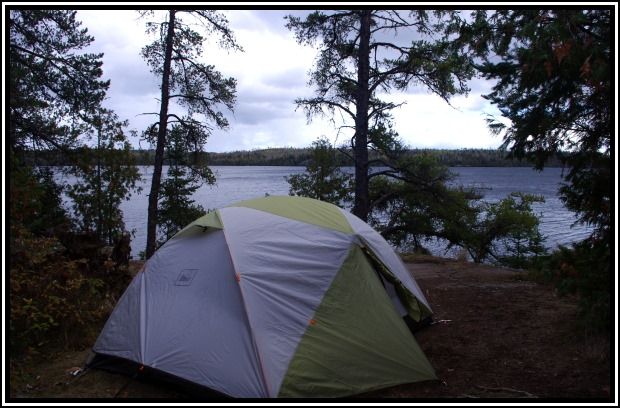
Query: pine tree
107,176
55,93
361,55
323,179
553,73
553,83
176,206
195,86
54,86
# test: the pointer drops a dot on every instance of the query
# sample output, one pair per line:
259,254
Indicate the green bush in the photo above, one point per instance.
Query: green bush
36,200
582,270
57,300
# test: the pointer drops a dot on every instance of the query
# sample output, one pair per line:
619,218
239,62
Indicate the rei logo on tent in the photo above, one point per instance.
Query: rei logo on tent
282,297
185,277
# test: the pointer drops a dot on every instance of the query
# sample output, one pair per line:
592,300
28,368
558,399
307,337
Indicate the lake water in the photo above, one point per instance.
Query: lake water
235,183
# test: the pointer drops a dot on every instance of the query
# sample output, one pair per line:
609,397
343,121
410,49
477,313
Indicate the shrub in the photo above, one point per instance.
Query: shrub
36,200
323,178
56,299
582,270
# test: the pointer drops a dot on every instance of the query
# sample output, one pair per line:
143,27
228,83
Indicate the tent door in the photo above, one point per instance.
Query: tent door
387,285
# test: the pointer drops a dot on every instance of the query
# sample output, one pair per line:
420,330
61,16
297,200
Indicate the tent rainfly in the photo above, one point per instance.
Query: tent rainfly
272,297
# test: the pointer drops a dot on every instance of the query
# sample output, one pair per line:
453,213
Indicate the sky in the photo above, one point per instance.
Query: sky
271,73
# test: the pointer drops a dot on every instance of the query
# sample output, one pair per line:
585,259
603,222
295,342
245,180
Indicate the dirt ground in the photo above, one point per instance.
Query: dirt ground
496,335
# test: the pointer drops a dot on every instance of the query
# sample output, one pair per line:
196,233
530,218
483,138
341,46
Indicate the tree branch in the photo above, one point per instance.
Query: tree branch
48,59
323,101
384,197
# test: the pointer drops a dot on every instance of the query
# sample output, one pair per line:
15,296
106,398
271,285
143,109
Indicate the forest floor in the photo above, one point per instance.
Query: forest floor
496,334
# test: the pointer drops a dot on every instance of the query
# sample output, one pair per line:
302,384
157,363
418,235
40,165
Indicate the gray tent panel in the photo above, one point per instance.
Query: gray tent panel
283,275
120,336
391,292
195,326
198,328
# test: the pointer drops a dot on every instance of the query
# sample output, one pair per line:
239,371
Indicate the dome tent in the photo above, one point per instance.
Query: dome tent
272,297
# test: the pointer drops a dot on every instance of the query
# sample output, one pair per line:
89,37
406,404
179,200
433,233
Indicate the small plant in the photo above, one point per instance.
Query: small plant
505,232
323,178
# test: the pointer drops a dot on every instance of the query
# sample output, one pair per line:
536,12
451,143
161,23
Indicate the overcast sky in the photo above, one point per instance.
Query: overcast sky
271,73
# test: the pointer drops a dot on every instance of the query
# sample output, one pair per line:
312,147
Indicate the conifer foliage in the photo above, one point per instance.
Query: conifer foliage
553,75
364,53
197,88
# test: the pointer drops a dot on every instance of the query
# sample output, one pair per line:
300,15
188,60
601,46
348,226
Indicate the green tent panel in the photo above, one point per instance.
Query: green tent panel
209,221
355,338
301,209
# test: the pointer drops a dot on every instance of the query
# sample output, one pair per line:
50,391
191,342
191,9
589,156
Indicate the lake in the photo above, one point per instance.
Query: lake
235,183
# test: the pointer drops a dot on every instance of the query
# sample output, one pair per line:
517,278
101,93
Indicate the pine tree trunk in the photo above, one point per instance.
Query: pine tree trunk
151,232
99,204
361,204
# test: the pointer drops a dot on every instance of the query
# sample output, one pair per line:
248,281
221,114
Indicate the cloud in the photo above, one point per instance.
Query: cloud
428,121
264,20
274,20
120,36
480,85
253,113
292,131
271,96
266,53
291,78
271,73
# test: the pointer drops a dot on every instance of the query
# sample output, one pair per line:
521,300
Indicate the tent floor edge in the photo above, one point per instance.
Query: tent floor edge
415,326
186,389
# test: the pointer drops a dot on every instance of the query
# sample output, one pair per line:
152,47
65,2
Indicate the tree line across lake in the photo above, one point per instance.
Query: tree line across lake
296,156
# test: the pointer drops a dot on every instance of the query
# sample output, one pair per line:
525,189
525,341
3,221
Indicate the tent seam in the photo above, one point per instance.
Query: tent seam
351,248
235,205
258,354
293,219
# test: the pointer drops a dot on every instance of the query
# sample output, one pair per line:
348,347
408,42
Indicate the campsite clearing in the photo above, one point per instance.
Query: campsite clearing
496,334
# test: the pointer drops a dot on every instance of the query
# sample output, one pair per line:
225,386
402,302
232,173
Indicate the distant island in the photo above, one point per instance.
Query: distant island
293,156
